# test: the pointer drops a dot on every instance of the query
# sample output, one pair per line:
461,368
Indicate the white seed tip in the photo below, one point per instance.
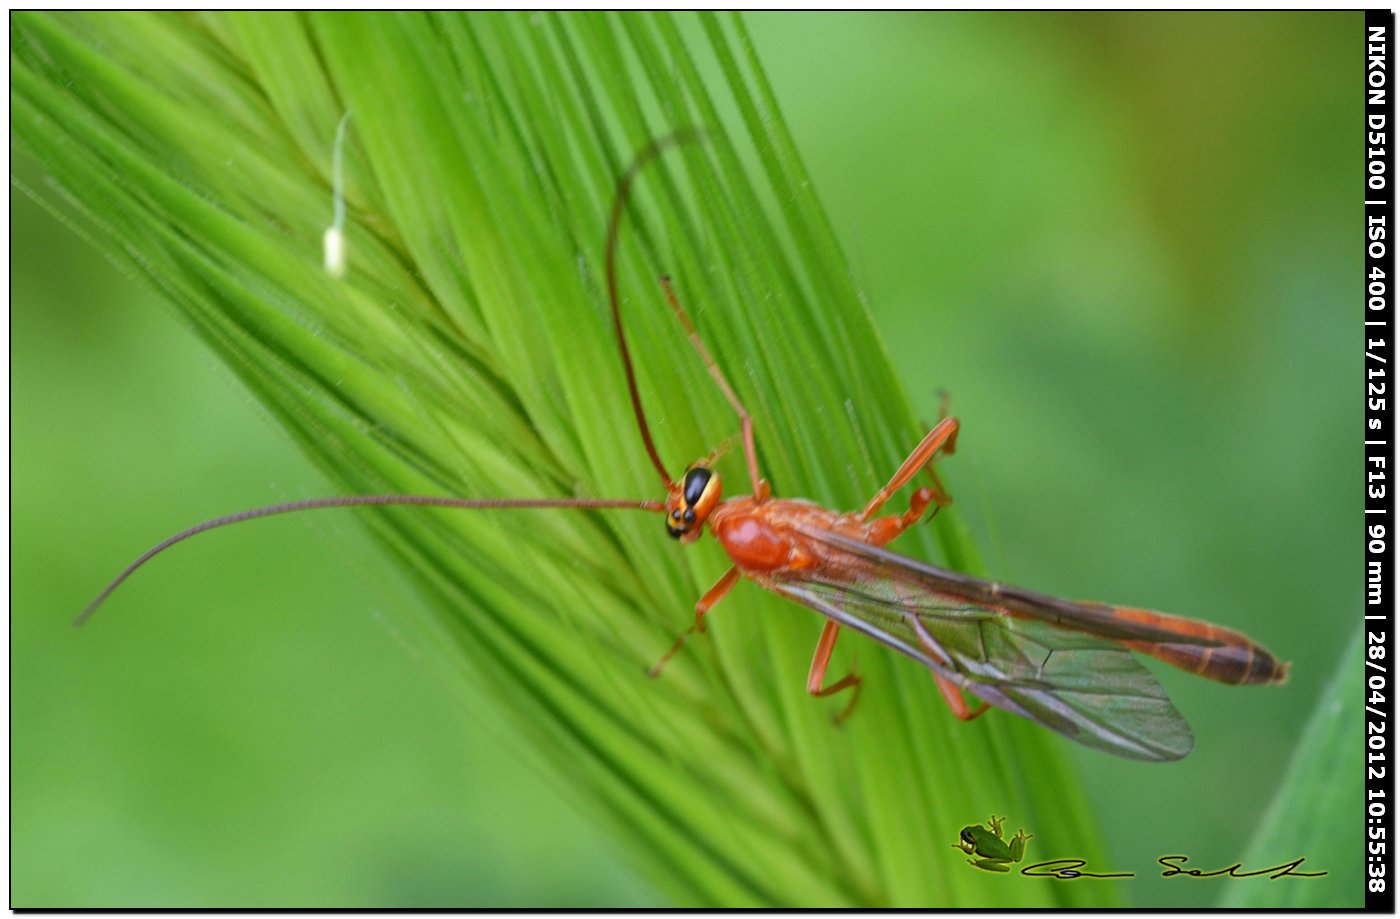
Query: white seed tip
333,251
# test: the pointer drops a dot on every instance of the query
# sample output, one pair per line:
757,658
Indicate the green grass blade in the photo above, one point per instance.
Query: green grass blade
468,351
1313,815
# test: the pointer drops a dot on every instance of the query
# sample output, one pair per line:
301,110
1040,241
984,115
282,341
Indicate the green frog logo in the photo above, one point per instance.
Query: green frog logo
988,846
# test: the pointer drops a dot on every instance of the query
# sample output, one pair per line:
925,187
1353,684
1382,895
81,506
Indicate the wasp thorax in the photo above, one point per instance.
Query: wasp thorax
691,502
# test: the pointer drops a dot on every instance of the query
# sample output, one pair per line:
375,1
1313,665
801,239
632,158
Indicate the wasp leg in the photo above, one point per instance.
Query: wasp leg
745,422
885,529
944,436
712,596
952,694
817,675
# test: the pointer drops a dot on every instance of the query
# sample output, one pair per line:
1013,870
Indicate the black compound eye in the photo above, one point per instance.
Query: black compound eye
689,516
695,482
676,514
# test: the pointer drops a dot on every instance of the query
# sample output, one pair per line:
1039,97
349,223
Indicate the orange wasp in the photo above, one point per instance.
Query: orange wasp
1064,664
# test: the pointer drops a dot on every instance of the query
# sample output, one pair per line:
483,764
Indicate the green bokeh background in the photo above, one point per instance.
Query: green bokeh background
1126,244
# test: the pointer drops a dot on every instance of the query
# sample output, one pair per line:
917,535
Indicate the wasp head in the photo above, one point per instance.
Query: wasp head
689,503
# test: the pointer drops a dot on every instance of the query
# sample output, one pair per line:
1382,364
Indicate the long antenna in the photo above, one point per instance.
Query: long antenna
360,501
624,186
624,189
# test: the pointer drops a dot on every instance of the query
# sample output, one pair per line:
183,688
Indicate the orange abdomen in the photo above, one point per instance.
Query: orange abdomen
1236,659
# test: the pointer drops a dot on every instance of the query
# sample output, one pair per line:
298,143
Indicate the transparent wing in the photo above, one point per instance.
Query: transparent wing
1086,687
